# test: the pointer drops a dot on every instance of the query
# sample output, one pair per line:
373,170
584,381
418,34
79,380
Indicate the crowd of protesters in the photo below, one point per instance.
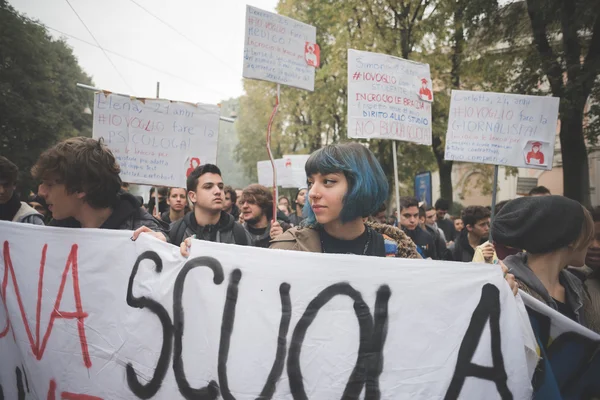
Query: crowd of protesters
549,246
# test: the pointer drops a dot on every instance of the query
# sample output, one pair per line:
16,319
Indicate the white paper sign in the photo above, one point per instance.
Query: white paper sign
156,142
278,49
265,171
294,174
388,98
502,129
92,312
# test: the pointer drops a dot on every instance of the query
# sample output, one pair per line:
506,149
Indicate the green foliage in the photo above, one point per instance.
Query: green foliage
39,100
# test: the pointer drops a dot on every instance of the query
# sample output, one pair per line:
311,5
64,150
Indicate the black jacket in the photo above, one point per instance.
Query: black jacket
423,240
227,230
127,215
462,248
447,226
441,251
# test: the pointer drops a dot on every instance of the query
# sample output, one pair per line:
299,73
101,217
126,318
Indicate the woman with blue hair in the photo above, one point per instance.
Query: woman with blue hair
346,185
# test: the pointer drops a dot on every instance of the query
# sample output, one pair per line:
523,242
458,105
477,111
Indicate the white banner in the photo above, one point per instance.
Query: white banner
502,129
279,49
156,142
91,312
388,98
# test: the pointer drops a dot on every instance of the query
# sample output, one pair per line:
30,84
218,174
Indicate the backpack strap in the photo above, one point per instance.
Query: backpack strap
178,232
239,234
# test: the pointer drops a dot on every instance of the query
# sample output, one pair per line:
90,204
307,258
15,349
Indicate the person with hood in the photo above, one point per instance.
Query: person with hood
555,232
177,202
82,189
296,217
207,220
345,185
257,212
11,208
230,202
474,234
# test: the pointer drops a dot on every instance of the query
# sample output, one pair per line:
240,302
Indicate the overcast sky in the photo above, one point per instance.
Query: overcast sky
206,69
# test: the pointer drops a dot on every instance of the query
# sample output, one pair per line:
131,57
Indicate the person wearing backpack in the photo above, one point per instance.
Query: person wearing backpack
207,220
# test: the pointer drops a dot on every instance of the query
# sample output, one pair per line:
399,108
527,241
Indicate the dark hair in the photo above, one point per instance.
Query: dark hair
408,202
261,196
422,212
472,214
83,165
8,171
367,184
163,191
427,207
381,209
232,193
192,180
442,204
539,190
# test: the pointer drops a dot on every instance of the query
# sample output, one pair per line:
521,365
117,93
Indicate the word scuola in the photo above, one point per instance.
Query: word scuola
372,329
372,326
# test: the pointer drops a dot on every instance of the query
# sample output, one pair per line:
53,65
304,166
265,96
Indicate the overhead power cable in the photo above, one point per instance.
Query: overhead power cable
182,35
99,46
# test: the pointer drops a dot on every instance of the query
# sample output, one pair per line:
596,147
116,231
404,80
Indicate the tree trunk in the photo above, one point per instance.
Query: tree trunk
576,171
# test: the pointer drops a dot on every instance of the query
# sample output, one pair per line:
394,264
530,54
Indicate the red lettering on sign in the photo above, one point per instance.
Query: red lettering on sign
68,395
80,315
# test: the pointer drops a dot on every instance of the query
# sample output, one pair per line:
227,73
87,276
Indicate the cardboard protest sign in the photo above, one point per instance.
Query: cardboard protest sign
388,98
90,312
570,355
156,142
502,129
280,49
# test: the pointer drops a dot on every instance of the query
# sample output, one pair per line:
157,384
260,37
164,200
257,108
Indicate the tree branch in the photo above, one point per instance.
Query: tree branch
549,63
591,66
571,45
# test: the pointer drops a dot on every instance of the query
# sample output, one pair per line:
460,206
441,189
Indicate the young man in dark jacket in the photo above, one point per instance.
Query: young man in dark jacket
446,225
11,207
207,220
409,220
475,233
82,189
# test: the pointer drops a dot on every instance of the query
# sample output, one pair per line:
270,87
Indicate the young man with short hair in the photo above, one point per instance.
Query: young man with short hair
11,208
297,217
474,234
257,212
207,220
82,189
409,221
230,202
441,208
380,216
177,202
438,234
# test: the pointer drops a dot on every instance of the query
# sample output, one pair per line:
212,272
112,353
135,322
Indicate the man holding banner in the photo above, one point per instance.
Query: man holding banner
82,188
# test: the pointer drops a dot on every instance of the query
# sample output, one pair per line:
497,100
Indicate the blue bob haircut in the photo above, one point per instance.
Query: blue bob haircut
367,185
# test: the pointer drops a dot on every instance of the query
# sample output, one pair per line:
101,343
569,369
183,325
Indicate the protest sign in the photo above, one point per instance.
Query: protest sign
156,142
388,98
91,312
570,355
264,170
502,129
279,49
293,174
